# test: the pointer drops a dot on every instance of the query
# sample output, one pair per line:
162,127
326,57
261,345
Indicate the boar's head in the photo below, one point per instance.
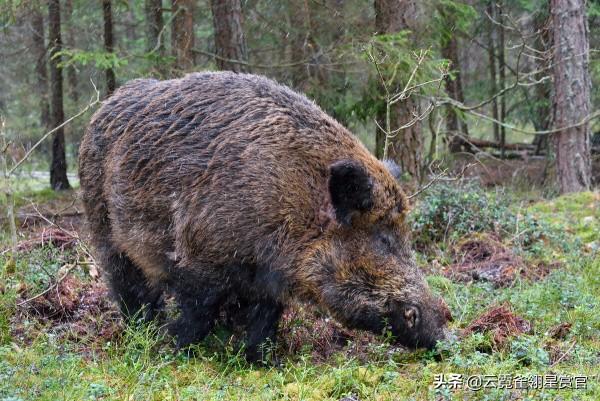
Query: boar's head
362,266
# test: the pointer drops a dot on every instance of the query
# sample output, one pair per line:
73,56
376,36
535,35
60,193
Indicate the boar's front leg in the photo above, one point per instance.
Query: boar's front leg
129,286
261,330
199,298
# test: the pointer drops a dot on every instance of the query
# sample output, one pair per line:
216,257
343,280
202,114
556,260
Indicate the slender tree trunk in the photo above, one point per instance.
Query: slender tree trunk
492,64
301,42
455,127
154,24
541,113
453,134
41,72
571,94
109,44
502,77
230,43
130,24
433,130
58,168
406,148
182,33
70,43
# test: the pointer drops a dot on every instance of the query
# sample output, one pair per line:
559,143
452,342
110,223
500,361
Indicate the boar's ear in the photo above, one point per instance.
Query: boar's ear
393,168
350,188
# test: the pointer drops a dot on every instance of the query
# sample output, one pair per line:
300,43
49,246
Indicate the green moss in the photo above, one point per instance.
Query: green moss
577,214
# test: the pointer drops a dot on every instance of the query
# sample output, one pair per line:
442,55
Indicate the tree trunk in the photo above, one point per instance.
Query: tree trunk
502,77
230,44
571,94
492,64
154,24
39,49
455,127
129,22
299,17
70,43
406,147
109,44
182,33
541,113
58,167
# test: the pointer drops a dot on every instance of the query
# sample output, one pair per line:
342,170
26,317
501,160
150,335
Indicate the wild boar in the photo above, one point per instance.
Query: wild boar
221,185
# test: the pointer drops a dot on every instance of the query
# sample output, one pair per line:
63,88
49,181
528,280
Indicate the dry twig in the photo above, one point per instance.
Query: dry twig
441,177
50,288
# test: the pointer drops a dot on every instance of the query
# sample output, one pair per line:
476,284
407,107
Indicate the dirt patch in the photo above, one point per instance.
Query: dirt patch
560,331
301,326
65,212
59,303
492,172
482,257
58,237
559,351
77,310
501,322
539,271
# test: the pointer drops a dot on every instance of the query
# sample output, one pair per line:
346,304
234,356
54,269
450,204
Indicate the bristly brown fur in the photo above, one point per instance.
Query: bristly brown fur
222,185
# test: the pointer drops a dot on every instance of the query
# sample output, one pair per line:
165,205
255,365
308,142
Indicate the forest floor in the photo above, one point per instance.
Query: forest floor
521,274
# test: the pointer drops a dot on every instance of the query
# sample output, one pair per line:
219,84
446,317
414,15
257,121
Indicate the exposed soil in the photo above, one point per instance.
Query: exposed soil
58,237
560,331
559,351
482,257
73,309
66,213
540,270
302,326
491,172
501,322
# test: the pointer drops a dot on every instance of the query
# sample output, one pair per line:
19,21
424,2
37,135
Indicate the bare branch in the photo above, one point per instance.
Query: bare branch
442,176
461,106
10,202
53,130
50,288
405,92
265,66
160,34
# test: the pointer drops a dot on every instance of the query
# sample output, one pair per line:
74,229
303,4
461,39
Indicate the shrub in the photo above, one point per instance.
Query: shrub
447,212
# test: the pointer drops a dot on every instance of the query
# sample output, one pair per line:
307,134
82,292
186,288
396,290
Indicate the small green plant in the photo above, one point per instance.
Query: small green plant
451,211
448,212
527,352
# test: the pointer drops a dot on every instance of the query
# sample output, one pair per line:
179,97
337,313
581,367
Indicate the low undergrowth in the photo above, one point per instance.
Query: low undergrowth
522,280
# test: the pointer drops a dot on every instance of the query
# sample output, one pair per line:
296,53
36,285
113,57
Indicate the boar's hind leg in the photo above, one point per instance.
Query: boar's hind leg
263,318
129,286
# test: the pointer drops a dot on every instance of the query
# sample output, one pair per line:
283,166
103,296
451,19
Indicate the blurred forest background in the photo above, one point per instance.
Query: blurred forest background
439,79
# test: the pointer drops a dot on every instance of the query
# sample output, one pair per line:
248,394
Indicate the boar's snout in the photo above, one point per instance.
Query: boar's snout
420,325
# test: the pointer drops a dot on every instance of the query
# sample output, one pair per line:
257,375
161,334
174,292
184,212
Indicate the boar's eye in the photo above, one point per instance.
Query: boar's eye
411,315
386,240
